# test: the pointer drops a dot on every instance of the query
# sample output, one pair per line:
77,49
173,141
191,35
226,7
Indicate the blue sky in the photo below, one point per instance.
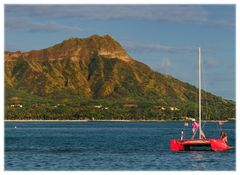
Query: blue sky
165,37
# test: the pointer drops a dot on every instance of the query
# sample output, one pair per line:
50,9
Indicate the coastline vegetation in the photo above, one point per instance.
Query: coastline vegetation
102,109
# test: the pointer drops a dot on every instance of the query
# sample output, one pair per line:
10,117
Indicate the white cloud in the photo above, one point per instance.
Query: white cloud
195,14
150,47
165,63
211,62
228,24
30,26
177,13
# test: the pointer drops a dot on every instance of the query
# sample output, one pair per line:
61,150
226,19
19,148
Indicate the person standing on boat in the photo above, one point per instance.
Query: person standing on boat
195,126
223,137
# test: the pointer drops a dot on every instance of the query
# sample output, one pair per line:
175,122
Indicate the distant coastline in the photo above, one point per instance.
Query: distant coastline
113,120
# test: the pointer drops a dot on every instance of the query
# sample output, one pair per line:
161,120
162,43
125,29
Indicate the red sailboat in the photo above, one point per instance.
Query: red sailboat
201,142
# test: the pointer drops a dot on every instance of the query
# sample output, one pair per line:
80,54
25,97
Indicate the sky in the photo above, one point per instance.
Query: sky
165,37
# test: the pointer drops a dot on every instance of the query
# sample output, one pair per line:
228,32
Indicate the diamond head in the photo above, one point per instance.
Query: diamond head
80,73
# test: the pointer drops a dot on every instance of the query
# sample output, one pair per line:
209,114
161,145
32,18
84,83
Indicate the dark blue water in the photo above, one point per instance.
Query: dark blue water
109,146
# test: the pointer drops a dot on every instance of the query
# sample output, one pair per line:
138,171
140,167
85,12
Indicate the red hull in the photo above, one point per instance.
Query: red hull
219,145
189,144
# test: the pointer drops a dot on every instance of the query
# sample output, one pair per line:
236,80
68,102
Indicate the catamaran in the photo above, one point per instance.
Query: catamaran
200,142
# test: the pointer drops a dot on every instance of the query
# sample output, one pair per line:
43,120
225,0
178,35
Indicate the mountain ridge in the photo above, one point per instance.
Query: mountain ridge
111,49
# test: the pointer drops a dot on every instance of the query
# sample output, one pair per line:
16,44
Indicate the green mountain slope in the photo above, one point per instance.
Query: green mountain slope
93,68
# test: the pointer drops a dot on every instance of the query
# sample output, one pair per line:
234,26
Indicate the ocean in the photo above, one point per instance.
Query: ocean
101,146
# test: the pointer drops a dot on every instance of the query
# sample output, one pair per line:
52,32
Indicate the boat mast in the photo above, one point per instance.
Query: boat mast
199,92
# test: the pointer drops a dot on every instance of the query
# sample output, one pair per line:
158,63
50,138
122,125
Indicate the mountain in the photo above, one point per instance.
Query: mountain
92,67
96,67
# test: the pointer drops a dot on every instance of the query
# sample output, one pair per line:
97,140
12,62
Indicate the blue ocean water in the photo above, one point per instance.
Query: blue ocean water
109,146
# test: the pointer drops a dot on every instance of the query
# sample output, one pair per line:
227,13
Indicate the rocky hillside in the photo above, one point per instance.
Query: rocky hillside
97,67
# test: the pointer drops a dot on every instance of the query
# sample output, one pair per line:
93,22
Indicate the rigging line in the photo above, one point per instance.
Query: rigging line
214,108
207,106
205,97
195,132
219,127
207,109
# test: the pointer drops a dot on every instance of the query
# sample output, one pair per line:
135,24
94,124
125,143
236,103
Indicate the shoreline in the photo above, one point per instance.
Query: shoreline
115,121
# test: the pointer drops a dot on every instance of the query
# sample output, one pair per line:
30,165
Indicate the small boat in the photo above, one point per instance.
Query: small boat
192,144
200,143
